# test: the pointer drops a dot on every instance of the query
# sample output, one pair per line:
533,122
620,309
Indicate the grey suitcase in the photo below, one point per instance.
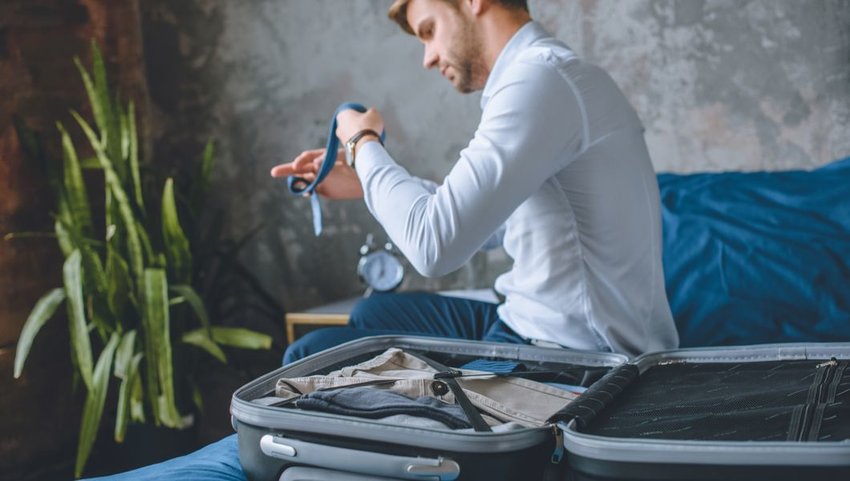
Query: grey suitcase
277,443
777,412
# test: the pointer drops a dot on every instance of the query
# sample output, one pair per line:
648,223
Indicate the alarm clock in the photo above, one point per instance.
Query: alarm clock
380,269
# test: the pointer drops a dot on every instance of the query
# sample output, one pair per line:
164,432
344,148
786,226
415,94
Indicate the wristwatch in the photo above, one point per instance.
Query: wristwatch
352,144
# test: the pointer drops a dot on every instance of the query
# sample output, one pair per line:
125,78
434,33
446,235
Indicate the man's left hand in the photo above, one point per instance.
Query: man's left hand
349,122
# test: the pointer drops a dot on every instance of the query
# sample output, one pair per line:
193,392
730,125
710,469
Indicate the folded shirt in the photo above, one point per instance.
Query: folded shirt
372,403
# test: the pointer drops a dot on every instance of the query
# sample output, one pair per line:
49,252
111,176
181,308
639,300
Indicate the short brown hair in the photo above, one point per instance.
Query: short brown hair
398,11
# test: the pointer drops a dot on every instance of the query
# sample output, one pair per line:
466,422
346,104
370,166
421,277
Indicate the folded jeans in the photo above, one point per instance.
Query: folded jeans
380,403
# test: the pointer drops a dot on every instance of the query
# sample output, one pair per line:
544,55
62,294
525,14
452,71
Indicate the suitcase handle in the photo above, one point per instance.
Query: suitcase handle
365,462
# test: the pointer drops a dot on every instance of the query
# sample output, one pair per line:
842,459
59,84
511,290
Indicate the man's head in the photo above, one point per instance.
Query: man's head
398,10
456,39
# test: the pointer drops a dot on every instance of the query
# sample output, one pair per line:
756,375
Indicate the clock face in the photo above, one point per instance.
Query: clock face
381,270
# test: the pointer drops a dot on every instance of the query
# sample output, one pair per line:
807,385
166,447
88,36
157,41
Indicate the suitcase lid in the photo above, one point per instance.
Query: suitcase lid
581,441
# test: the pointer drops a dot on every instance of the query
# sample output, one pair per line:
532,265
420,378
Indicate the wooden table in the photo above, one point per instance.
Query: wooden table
333,314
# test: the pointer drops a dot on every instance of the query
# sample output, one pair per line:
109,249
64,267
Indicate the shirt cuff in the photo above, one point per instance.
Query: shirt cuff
370,155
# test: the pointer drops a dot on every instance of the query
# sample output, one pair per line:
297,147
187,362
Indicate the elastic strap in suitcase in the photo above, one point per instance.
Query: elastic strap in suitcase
585,407
448,375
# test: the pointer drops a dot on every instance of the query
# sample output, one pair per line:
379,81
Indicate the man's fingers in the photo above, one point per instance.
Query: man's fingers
307,162
282,170
306,159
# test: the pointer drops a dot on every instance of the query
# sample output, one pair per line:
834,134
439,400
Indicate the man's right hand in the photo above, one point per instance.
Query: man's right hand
341,183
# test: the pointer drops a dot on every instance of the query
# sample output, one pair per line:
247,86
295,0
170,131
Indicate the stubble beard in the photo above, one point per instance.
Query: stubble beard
468,56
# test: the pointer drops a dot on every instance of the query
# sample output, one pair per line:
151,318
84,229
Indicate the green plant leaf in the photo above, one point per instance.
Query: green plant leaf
198,399
201,338
150,255
134,247
90,163
75,187
137,396
125,398
241,337
64,238
188,293
70,237
176,245
80,342
158,351
93,408
94,101
201,180
125,353
109,123
123,131
43,310
133,159
119,283
94,279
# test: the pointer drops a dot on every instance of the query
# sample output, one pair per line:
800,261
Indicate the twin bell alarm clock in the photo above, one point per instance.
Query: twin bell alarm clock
380,268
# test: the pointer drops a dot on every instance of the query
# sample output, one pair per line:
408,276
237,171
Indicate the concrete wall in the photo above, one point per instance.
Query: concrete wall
720,85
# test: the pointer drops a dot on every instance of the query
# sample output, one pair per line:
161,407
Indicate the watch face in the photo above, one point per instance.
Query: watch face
349,154
381,270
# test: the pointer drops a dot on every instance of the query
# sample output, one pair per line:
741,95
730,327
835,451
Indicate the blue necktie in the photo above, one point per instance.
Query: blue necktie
300,186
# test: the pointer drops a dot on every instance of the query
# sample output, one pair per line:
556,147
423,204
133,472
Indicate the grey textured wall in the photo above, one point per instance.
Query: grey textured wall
720,85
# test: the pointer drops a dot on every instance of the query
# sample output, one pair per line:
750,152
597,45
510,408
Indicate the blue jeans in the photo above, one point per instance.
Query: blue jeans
421,314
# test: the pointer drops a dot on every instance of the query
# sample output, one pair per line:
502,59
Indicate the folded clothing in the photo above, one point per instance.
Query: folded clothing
372,403
504,398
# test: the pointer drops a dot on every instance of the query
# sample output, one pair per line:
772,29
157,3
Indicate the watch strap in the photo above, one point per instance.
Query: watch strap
351,145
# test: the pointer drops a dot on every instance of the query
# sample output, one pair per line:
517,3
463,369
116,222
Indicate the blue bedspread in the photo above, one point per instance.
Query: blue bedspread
758,257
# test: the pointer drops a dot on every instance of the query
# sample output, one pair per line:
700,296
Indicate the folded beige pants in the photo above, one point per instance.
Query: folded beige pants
525,402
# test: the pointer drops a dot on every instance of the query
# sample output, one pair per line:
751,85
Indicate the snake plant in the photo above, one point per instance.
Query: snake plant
127,286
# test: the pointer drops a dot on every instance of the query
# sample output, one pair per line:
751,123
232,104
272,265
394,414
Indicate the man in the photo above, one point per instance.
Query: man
558,167
558,162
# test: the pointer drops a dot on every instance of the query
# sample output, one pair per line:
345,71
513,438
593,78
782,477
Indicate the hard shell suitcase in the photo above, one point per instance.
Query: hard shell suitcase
278,443
777,412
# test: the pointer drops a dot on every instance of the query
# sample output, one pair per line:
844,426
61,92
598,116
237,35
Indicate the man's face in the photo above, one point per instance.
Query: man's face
452,43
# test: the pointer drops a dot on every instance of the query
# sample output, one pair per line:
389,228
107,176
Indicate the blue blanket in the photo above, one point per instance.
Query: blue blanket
758,257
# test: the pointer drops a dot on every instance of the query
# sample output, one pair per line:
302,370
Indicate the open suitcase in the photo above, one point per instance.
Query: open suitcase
756,412
768,412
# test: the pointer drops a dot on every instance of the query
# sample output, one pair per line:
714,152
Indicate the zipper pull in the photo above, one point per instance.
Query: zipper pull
831,363
558,453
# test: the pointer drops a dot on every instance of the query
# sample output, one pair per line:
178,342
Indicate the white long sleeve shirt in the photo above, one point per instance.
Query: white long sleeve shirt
559,158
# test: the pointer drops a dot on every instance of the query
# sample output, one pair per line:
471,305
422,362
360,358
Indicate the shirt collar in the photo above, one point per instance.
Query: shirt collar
525,36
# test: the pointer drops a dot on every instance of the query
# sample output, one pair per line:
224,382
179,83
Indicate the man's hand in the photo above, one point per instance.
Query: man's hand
349,122
341,183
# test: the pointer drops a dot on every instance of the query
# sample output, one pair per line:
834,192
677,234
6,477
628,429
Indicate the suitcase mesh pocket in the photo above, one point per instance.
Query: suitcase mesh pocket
762,401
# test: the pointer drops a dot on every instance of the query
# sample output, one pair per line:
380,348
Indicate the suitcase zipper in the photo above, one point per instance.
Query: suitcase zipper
834,371
831,363
558,453
806,419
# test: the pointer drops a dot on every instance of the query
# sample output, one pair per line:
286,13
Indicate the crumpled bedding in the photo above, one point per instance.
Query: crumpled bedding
758,257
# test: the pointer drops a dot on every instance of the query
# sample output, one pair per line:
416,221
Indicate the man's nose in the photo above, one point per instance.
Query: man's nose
430,58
